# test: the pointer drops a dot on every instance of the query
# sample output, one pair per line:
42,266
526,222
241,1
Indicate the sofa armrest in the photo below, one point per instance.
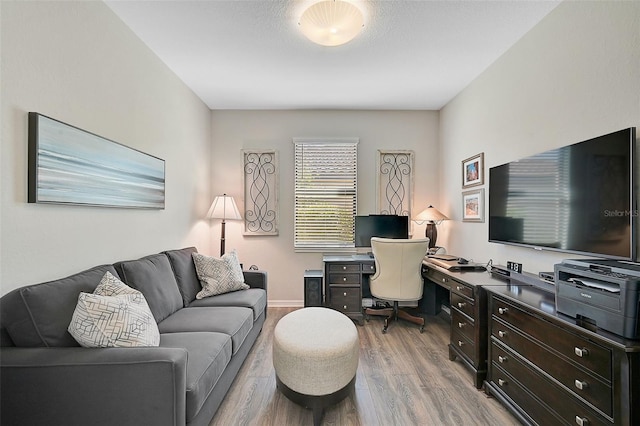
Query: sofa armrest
80,386
255,278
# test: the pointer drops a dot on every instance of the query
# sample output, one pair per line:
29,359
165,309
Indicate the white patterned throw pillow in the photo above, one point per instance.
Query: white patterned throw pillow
219,275
114,315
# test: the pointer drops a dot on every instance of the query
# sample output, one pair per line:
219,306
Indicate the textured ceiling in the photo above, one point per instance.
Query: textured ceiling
412,54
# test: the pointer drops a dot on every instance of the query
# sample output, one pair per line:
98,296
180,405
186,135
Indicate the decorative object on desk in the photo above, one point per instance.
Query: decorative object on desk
395,182
473,171
473,206
398,277
331,22
260,192
68,165
433,217
223,207
513,266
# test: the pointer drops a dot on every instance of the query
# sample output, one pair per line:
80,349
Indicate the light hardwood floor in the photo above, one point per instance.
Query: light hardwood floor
403,378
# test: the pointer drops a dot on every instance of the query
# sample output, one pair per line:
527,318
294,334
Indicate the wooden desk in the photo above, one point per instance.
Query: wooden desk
345,276
468,299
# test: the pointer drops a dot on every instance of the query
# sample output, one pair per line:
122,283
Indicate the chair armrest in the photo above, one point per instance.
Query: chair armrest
80,386
255,278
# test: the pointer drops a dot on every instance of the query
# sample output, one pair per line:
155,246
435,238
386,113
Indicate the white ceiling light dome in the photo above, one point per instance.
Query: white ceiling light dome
331,22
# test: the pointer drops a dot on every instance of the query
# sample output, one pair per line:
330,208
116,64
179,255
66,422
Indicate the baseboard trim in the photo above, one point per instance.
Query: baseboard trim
285,303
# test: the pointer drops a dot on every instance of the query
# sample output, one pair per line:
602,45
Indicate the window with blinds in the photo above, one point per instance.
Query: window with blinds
325,192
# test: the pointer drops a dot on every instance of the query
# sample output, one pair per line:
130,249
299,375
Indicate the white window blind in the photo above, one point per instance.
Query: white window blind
325,193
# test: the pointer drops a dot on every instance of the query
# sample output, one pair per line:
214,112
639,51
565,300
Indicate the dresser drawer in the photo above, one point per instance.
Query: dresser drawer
462,304
344,267
463,324
575,379
462,289
581,351
346,299
568,408
368,268
463,344
344,278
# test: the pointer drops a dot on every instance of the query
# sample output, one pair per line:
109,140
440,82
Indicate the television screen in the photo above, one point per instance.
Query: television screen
385,226
578,198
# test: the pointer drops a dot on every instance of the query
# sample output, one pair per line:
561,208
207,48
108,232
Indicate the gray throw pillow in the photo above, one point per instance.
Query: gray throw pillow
219,275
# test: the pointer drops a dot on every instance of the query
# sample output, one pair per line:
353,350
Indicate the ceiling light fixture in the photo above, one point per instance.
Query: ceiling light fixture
331,22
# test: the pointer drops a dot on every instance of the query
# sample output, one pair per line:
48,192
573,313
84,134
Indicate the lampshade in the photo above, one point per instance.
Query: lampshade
430,214
331,22
224,207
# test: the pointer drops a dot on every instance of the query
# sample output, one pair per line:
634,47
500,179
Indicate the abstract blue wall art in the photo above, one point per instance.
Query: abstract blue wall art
68,165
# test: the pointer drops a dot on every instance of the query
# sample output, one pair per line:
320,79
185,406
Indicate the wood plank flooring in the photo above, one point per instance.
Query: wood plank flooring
403,378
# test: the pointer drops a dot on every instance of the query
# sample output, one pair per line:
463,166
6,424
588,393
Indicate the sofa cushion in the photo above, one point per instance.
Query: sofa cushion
219,275
254,298
114,315
153,276
236,322
185,272
209,354
38,315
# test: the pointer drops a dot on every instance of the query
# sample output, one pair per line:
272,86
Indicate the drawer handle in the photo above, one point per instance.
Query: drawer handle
444,280
345,293
461,324
581,385
344,307
459,288
344,278
502,359
502,311
581,352
460,343
502,382
582,421
461,305
502,333
344,268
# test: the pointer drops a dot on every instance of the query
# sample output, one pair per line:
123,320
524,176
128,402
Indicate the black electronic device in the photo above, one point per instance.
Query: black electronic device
500,271
578,198
380,225
600,293
462,261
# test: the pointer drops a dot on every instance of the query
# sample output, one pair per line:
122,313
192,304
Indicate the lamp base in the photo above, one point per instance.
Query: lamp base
432,233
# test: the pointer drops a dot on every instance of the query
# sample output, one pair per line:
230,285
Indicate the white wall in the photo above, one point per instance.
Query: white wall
78,63
237,130
574,76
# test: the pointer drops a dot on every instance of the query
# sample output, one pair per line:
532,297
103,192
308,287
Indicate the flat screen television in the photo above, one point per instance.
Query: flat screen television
579,198
380,225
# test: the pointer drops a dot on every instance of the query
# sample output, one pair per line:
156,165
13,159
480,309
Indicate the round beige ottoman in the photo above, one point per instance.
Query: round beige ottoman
315,355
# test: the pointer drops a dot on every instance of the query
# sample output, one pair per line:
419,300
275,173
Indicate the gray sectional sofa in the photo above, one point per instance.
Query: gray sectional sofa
48,379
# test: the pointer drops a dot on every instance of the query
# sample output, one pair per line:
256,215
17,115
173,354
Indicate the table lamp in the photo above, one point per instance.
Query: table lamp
433,217
223,207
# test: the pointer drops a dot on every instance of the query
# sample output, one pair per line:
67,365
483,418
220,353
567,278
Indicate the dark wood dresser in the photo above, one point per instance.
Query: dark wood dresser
344,279
549,370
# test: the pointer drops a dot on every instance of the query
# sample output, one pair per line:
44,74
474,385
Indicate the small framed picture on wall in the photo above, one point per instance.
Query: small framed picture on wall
473,205
473,171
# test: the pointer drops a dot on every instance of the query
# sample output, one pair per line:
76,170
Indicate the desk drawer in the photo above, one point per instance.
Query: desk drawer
585,353
463,344
344,267
463,324
344,278
462,304
462,289
368,268
439,278
346,299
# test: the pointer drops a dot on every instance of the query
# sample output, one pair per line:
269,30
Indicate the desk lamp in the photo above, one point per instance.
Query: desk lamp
433,217
223,207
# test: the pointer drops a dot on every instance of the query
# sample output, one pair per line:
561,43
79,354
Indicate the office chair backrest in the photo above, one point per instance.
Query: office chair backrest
398,268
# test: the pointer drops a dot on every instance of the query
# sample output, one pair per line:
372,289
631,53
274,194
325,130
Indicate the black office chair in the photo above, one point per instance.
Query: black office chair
398,276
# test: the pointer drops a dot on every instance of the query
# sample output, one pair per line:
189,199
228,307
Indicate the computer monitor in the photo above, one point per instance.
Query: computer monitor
380,225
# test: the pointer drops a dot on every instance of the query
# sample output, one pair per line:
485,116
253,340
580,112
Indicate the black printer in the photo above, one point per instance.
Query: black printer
603,293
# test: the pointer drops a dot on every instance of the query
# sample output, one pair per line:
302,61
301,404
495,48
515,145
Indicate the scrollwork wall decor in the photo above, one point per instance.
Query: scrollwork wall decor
260,192
395,182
